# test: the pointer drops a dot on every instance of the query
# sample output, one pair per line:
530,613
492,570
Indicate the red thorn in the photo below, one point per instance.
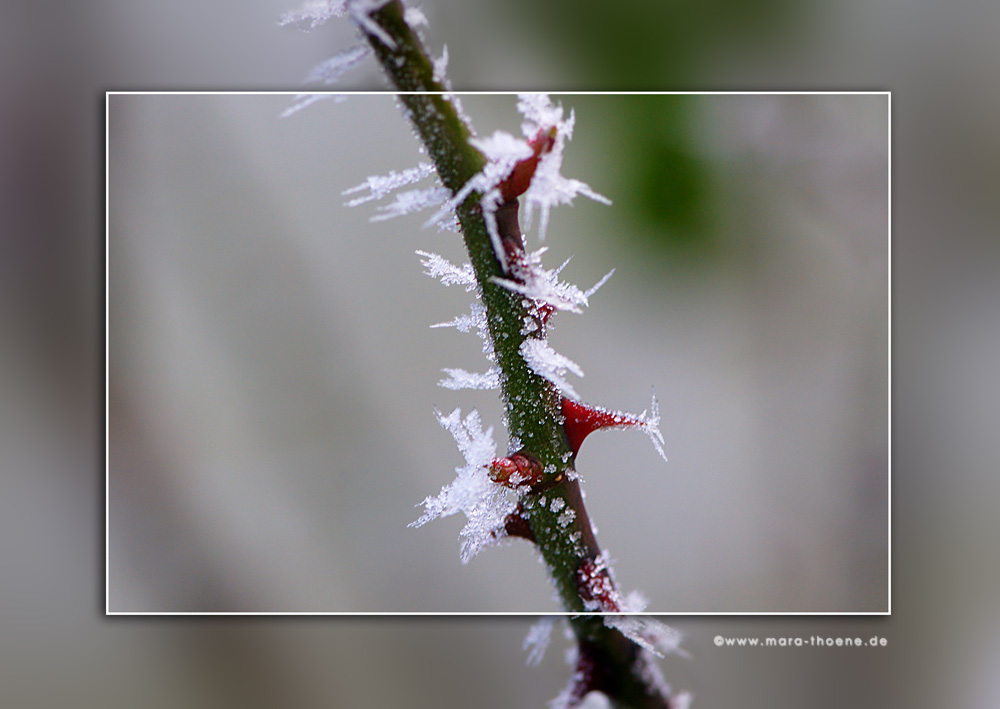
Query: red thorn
516,469
581,420
519,180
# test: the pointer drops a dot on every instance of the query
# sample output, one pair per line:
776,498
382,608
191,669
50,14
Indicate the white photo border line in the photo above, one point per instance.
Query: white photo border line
107,212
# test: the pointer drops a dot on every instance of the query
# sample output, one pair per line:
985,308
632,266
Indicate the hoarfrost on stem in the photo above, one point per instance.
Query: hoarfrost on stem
361,11
440,66
548,186
551,365
415,17
412,201
313,14
318,12
448,273
379,186
302,100
543,285
408,202
537,640
503,151
484,502
461,379
645,631
327,72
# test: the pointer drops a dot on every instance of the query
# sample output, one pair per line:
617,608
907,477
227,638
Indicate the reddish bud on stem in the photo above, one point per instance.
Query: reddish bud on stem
595,586
515,470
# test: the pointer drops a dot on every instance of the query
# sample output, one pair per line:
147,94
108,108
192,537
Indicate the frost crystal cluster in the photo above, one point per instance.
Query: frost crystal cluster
547,187
472,492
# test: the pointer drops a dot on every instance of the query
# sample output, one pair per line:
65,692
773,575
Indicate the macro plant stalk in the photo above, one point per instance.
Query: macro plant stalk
535,413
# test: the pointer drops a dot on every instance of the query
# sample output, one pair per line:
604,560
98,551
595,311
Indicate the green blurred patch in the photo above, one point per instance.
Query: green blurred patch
671,190
667,192
642,45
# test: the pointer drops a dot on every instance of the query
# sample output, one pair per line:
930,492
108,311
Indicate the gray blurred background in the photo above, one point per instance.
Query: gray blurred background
944,634
272,374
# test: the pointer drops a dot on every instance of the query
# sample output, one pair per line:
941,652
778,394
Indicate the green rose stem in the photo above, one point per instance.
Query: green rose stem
607,660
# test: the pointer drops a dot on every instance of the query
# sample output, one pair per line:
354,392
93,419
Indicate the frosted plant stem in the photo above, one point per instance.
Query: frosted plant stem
607,660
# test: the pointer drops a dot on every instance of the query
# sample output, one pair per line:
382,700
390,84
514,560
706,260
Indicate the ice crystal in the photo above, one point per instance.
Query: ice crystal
548,186
415,17
651,426
504,151
484,502
317,12
440,75
302,100
461,379
537,640
551,365
314,13
476,318
646,632
565,698
361,11
595,700
448,273
408,202
411,201
379,186
566,518
441,68
543,285
329,71
467,321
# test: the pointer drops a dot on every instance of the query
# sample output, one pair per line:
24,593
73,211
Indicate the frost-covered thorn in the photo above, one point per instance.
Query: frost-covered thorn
580,420
519,179
516,470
